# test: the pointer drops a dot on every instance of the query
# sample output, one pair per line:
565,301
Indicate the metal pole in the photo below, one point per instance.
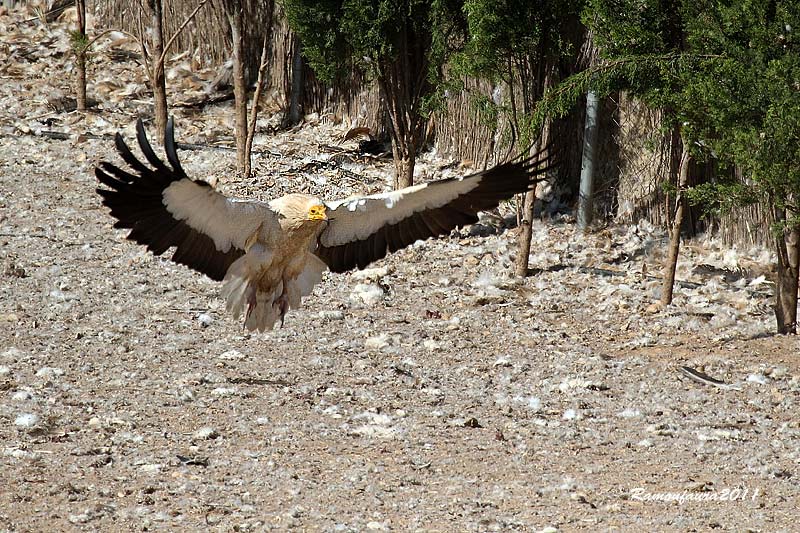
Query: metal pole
587,163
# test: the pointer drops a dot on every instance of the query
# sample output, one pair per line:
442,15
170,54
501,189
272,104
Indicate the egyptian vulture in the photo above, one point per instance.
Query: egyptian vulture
270,255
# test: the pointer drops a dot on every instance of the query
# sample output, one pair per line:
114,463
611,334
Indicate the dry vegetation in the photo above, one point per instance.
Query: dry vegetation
431,393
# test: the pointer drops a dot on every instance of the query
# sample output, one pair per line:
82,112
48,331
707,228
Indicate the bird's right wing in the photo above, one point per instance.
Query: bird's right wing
163,207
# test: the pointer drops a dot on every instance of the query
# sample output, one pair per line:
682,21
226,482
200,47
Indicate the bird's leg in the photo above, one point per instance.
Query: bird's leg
282,302
283,306
251,300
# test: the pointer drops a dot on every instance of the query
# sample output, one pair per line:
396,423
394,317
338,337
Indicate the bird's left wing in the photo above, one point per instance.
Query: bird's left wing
163,207
363,230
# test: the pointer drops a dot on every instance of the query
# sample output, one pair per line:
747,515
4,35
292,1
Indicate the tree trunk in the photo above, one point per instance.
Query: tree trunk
294,114
526,225
236,20
788,247
405,138
404,83
675,236
80,55
525,235
404,161
158,78
406,132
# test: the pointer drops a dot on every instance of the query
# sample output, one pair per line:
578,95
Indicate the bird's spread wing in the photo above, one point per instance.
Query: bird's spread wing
362,230
164,208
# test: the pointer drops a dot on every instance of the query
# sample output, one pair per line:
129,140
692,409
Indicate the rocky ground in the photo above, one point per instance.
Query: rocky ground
432,392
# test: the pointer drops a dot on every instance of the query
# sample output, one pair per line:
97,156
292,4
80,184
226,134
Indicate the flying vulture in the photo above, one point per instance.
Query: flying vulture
270,255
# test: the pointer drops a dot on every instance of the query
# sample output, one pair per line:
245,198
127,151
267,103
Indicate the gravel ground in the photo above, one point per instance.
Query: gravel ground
429,393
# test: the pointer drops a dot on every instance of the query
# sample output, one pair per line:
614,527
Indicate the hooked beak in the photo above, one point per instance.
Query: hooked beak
317,213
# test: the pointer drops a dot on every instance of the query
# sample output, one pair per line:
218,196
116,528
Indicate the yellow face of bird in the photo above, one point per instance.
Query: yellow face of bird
317,212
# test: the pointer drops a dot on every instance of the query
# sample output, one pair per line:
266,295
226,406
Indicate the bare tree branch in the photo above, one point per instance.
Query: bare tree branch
142,45
251,126
179,30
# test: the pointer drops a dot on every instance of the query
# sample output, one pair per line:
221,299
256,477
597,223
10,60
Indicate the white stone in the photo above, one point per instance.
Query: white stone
231,355
49,371
27,420
331,314
205,433
368,293
377,343
570,414
370,274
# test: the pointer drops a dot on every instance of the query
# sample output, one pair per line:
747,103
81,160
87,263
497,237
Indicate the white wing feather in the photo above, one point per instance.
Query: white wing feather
354,219
228,222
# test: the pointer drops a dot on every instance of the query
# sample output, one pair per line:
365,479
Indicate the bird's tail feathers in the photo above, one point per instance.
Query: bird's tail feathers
262,309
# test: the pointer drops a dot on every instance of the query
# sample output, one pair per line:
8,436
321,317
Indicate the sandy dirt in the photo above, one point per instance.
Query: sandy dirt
431,393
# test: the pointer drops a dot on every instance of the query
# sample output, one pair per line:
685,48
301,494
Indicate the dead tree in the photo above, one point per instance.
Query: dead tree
251,126
245,129
234,11
156,55
80,45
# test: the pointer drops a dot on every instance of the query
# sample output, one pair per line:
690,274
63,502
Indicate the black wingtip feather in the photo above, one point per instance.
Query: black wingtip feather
170,148
136,200
147,149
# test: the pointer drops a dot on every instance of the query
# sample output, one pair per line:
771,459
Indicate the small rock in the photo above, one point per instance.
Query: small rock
27,420
431,345
81,518
472,423
454,323
49,371
205,319
377,343
21,396
332,314
370,294
5,370
12,354
205,433
185,394
778,372
654,308
371,274
570,414
231,355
